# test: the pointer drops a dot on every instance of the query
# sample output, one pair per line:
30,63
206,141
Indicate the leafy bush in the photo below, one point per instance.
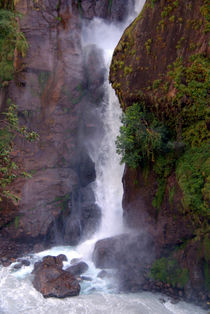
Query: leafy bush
9,170
141,137
11,38
168,270
193,175
191,99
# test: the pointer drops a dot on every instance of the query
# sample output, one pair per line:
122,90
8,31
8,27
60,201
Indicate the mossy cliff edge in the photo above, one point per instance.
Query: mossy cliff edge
160,72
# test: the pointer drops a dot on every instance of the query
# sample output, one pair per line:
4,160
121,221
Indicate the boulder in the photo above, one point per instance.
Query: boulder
123,249
129,254
52,281
86,278
75,261
62,258
102,274
78,269
25,262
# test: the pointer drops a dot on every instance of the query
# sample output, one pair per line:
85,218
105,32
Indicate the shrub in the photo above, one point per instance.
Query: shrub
168,270
141,137
11,38
193,175
9,170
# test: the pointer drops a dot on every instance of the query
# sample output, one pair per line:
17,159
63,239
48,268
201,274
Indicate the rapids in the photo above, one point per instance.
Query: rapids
18,296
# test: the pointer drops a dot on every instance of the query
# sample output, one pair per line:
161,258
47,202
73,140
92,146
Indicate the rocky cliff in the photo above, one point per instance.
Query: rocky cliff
56,89
161,63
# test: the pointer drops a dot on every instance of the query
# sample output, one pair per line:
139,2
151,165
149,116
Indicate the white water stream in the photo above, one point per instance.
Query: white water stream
17,294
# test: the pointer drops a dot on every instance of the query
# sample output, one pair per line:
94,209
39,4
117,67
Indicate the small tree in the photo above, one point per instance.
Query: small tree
141,136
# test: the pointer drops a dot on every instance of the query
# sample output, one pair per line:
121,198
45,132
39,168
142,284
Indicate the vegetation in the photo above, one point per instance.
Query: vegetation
168,270
193,175
141,137
11,39
145,138
191,99
9,170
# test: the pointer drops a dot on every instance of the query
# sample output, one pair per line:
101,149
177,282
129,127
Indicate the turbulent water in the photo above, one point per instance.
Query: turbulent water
17,294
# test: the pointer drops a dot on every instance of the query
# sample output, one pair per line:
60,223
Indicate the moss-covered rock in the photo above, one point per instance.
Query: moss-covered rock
166,47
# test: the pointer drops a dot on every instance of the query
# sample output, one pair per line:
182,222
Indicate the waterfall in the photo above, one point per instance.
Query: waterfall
17,294
108,186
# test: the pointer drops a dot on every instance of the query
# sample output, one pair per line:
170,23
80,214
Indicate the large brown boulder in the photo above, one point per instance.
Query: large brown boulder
52,281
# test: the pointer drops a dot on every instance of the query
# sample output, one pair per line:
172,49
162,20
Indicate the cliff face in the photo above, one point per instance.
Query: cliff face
160,63
56,89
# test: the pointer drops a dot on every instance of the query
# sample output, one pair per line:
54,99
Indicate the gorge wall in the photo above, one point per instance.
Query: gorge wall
56,88
161,64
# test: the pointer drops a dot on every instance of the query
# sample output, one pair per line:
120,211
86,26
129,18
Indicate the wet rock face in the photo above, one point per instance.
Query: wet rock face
128,254
116,10
52,281
123,249
139,211
46,104
56,94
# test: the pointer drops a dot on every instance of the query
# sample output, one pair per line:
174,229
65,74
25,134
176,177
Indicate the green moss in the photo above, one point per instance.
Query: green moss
166,11
156,84
148,45
128,70
171,195
179,43
165,87
159,196
206,271
191,83
121,64
167,270
164,164
205,11
192,46
193,175
172,19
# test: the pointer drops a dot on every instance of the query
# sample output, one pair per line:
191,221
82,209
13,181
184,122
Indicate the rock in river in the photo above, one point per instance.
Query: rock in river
52,281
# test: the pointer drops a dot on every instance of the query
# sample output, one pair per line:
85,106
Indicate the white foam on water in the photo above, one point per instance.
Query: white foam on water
18,296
